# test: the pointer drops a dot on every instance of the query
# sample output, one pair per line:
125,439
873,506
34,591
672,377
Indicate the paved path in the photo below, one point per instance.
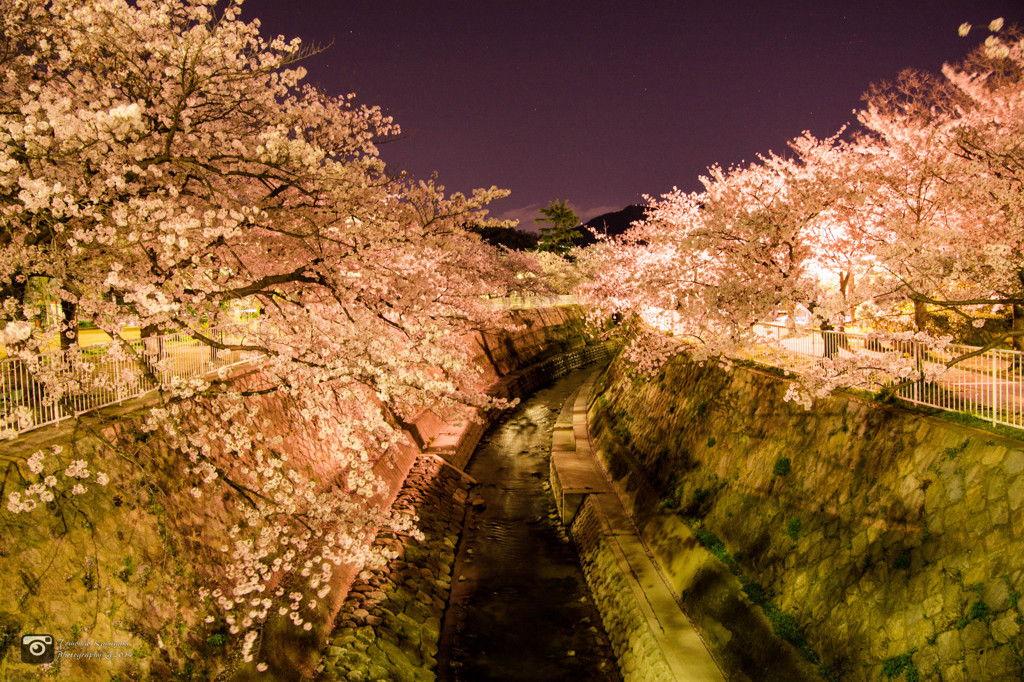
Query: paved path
580,474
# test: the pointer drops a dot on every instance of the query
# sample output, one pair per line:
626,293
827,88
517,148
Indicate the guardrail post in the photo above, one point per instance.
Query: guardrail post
919,368
995,388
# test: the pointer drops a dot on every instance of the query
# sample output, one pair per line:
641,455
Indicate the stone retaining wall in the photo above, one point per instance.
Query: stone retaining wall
390,624
882,543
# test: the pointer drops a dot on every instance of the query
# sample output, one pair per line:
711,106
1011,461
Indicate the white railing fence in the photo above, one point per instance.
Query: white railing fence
48,388
51,387
989,385
529,301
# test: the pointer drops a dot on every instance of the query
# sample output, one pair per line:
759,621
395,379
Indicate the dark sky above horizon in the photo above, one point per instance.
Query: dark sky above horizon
598,102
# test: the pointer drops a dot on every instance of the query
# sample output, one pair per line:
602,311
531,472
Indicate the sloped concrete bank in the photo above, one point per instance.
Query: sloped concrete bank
877,542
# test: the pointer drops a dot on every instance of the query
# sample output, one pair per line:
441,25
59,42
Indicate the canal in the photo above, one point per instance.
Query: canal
520,608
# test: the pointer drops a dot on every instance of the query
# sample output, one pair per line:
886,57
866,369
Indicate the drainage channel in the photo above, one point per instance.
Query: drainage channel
519,606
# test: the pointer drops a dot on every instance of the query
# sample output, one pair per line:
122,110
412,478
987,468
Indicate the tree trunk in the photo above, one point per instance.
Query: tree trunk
920,315
846,289
153,348
69,330
1017,325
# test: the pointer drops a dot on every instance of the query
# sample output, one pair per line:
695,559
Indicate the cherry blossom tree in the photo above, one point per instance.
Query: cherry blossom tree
713,263
161,161
920,206
989,138
944,215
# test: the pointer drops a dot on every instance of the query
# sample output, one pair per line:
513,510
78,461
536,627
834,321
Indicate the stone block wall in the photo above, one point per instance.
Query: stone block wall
390,624
636,649
890,539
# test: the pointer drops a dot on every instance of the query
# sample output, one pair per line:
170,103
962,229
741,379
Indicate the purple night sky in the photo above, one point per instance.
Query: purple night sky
600,103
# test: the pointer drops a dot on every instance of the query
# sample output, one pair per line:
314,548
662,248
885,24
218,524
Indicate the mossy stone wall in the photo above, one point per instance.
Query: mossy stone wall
886,544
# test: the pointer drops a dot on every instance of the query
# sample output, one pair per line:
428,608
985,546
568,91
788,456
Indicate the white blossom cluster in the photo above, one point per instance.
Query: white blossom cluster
46,489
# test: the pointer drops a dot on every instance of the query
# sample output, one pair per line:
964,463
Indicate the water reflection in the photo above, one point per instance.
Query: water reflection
520,608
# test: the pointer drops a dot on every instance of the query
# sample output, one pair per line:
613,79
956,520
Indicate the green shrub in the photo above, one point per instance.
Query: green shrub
1014,594
672,497
785,626
713,544
793,527
891,667
217,640
951,453
755,592
980,611
782,466
901,665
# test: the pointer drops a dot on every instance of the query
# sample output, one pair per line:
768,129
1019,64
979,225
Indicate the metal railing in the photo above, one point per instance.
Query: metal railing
48,388
529,301
989,385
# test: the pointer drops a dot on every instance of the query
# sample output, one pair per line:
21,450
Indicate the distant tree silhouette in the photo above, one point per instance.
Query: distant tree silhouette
562,233
509,237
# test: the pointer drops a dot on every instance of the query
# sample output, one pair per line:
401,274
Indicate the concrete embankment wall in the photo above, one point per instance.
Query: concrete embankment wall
652,638
876,542
124,563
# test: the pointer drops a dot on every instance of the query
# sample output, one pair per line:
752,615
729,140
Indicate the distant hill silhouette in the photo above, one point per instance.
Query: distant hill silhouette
614,223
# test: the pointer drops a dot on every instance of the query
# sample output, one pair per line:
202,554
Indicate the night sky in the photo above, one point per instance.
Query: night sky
599,103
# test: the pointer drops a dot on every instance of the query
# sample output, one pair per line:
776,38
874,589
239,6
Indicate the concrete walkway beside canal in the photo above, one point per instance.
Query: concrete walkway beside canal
653,638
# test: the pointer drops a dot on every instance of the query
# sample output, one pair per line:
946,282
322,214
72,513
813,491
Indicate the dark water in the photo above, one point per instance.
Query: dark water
520,609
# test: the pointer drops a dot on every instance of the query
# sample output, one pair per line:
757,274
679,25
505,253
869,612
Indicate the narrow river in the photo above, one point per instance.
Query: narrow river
520,608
